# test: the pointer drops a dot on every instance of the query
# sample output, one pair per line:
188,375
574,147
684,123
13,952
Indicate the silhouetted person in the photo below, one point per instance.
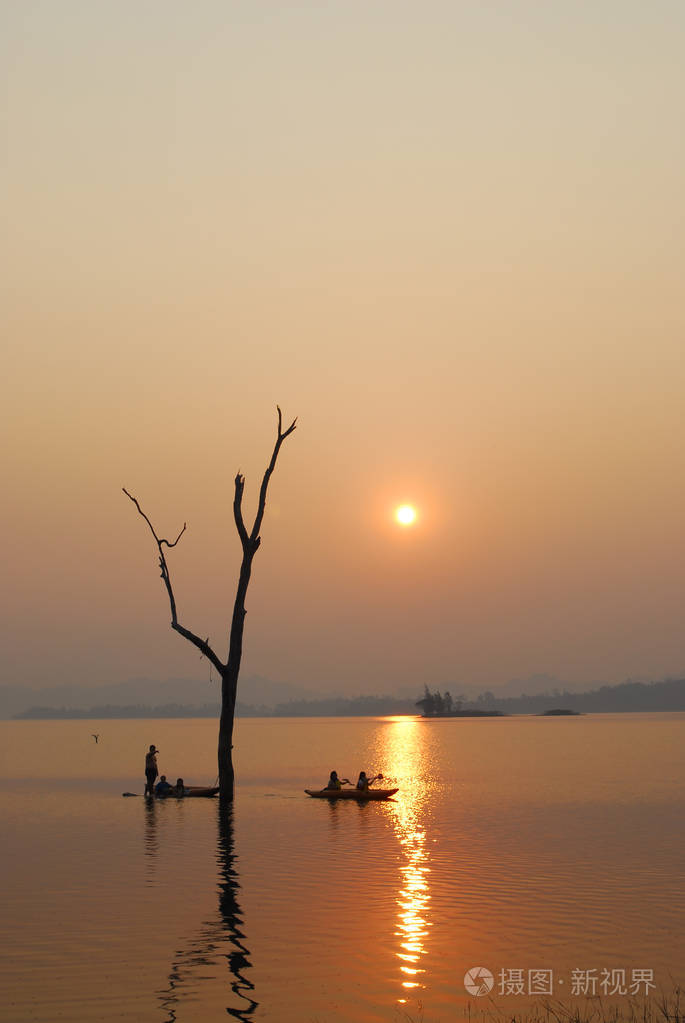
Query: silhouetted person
364,782
162,788
150,771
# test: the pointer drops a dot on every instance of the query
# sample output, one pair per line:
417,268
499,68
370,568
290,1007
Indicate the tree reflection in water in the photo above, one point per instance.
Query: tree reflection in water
231,915
219,938
151,839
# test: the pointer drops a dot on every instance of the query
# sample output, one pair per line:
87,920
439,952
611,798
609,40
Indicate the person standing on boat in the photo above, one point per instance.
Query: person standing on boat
151,771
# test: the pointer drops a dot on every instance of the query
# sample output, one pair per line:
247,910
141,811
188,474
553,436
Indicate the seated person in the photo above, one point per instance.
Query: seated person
162,788
179,788
364,782
336,783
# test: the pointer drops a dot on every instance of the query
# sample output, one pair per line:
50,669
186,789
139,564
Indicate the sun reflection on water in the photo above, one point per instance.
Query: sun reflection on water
402,748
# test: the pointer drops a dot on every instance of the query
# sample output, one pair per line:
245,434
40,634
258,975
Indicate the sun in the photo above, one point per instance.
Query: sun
405,515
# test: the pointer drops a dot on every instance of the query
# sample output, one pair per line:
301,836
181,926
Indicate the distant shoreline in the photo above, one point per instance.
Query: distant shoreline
157,713
628,697
465,714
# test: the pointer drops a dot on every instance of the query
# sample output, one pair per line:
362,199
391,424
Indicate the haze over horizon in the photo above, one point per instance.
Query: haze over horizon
447,238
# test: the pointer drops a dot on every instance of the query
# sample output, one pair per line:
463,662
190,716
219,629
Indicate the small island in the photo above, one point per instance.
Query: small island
558,713
437,705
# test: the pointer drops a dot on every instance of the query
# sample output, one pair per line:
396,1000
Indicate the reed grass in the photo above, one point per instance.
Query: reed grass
661,1008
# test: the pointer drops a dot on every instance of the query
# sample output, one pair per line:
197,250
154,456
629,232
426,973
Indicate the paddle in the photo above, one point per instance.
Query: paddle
346,781
370,781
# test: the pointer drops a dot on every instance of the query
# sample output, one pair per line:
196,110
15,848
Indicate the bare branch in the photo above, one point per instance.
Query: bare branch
280,425
177,538
162,560
160,540
254,535
238,509
201,644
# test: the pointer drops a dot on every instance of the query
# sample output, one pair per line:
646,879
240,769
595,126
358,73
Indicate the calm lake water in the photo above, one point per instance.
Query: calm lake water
518,844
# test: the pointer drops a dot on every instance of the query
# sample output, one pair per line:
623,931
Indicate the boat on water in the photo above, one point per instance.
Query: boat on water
361,795
192,790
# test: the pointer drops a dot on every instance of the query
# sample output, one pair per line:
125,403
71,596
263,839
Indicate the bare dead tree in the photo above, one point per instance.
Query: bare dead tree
230,670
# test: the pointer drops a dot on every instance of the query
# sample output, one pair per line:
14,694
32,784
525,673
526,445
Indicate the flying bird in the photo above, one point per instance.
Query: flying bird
96,737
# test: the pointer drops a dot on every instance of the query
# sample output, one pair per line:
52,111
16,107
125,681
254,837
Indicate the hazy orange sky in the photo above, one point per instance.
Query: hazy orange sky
447,236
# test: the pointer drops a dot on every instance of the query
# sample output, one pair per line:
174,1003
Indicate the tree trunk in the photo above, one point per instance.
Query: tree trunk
225,750
229,677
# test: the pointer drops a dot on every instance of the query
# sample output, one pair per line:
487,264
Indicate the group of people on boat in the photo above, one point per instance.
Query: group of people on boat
362,785
163,788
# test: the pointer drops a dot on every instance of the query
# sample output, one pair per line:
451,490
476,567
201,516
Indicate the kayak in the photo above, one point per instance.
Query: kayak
357,794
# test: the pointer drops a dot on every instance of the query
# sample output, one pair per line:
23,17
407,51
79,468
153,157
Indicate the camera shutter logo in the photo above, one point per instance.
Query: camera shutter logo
478,981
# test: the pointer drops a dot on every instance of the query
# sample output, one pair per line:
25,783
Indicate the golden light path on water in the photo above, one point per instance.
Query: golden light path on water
402,747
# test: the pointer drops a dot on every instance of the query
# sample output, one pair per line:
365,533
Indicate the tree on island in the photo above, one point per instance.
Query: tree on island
230,670
436,705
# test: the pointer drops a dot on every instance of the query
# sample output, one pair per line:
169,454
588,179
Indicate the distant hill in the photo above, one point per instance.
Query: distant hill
168,710
361,706
253,689
339,706
628,696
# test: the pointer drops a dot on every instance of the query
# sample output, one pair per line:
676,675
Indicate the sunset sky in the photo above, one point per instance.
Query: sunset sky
447,236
